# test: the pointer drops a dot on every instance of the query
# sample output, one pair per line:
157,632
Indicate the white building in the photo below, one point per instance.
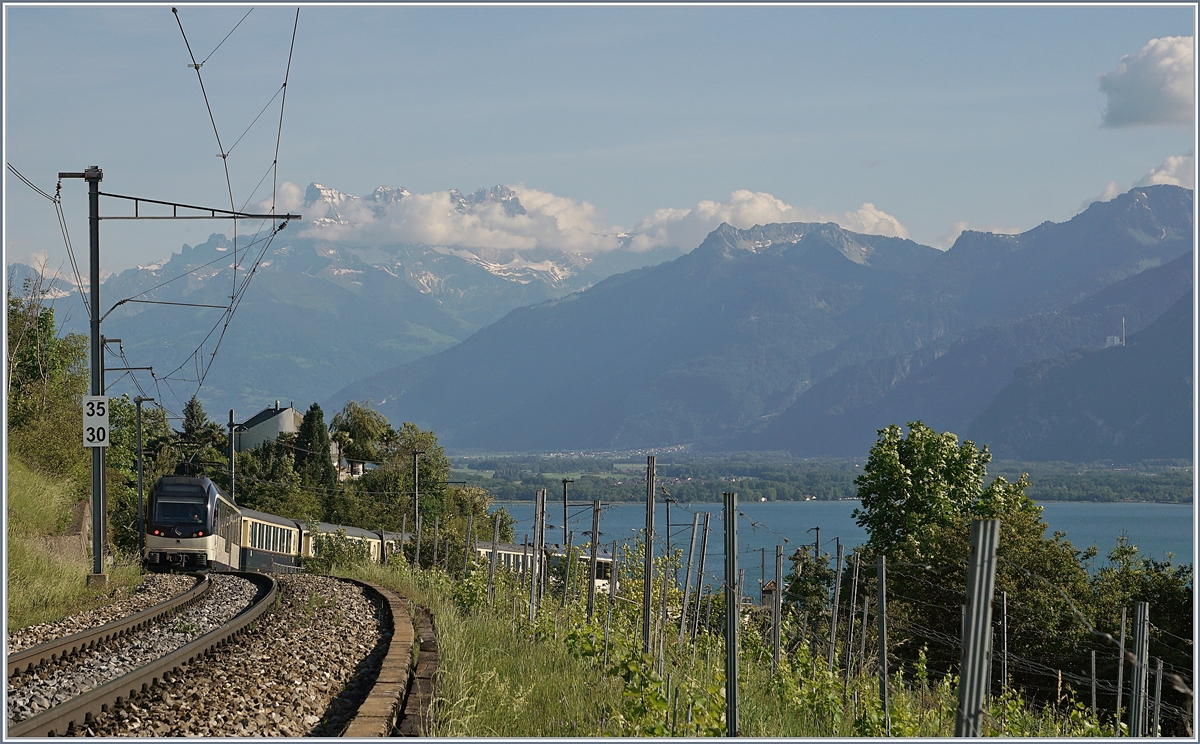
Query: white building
266,426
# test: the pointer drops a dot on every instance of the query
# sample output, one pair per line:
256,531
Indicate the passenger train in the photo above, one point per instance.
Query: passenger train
192,525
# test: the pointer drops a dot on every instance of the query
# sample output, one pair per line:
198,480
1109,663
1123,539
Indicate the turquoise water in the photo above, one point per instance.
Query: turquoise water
1157,529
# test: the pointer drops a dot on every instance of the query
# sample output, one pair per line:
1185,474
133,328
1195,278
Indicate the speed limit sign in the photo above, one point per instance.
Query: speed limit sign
95,421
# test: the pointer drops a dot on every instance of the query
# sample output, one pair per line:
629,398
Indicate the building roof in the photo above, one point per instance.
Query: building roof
265,414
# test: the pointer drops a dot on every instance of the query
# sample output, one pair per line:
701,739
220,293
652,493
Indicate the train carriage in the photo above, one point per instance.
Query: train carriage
191,526
269,542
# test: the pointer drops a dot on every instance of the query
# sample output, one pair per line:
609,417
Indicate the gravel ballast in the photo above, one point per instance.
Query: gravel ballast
154,589
32,692
302,671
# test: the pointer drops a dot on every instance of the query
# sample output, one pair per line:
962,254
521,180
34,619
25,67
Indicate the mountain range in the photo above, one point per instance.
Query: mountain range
320,312
800,337
803,337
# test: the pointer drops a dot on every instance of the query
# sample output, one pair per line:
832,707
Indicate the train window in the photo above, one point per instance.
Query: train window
180,510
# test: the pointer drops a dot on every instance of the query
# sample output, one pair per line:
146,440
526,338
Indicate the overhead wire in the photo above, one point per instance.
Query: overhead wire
56,200
238,291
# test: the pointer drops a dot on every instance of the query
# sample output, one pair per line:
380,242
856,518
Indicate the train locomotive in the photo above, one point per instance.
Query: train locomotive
192,525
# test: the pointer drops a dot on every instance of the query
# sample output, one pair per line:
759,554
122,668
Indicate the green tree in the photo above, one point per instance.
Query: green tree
268,481
204,445
359,432
914,484
121,466
313,459
47,376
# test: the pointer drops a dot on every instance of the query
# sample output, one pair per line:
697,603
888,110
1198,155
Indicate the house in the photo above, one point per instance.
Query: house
266,426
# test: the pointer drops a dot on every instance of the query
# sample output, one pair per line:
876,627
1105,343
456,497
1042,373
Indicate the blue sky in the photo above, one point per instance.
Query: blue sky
656,120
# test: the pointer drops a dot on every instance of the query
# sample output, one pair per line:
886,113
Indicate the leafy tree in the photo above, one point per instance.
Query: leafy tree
359,431
204,444
47,376
121,466
913,484
267,481
809,582
313,460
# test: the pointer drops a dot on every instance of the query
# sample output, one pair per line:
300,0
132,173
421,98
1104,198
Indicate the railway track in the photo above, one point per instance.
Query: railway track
69,715
337,657
51,652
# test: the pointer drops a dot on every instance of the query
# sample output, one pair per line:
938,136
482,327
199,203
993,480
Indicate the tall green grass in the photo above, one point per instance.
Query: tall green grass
496,679
501,676
42,584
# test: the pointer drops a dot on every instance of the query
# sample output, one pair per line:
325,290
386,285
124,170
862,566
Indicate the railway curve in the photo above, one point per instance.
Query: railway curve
72,715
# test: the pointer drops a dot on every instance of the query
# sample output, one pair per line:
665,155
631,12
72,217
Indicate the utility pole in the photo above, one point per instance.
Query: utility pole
492,562
232,470
700,575
567,569
1093,682
591,603
1141,667
416,492
648,569
139,400
777,609
837,596
98,404
467,543
1121,666
539,536
687,584
849,660
1157,698
94,175
732,616
1004,662
977,626
417,555
565,481
762,571
881,621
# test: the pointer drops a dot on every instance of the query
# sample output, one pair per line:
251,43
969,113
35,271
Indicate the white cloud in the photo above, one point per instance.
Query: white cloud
549,221
438,218
687,228
1153,86
1177,170
1110,192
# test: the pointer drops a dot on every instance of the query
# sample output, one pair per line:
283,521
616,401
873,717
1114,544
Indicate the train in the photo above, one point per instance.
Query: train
193,526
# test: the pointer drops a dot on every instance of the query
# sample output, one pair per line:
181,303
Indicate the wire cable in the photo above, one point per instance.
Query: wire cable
235,28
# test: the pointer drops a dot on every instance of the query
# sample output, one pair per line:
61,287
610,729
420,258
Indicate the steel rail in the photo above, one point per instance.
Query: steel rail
62,648
81,710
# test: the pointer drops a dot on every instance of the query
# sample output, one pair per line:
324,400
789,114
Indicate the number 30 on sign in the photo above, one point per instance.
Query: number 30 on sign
95,421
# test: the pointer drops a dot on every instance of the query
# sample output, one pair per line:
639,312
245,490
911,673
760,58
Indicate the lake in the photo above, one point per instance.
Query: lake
1157,529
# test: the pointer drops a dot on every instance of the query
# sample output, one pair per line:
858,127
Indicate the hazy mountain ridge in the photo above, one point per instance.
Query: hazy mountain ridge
1123,403
947,385
723,340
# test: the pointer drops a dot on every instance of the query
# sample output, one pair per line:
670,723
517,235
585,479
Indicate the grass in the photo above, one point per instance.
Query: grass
495,681
43,584
501,677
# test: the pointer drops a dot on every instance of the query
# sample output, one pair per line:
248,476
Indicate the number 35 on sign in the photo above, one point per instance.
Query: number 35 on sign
95,421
